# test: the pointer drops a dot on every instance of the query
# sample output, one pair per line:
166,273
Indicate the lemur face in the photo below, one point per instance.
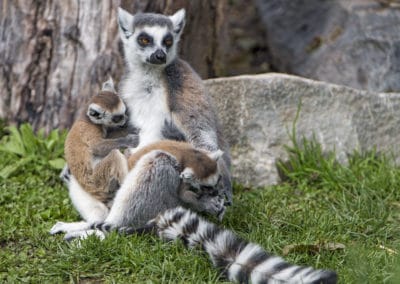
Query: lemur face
150,39
207,184
104,115
154,44
107,108
204,174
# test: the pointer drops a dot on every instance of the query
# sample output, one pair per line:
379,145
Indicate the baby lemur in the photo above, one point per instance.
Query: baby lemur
93,158
198,170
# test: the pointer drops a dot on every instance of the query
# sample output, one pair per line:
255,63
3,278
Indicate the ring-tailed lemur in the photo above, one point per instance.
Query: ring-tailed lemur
93,158
163,91
162,175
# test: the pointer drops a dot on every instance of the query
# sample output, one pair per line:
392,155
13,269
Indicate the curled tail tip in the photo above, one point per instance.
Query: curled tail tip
295,274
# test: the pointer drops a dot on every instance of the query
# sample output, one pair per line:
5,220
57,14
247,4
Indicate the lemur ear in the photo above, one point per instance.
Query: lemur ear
187,175
216,155
109,86
125,24
178,21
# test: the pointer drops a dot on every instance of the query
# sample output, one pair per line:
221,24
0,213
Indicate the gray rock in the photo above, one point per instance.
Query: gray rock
348,42
258,113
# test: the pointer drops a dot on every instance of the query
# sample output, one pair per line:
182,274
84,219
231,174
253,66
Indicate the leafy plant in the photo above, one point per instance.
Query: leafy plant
27,148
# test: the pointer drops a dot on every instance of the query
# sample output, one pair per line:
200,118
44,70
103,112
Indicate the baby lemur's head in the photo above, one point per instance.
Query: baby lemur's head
201,170
150,39
107,108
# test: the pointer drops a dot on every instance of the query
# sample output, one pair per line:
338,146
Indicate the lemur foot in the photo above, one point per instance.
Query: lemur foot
83,235
58,228
65,227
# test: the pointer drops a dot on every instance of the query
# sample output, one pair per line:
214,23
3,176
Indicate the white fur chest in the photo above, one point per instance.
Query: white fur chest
146,97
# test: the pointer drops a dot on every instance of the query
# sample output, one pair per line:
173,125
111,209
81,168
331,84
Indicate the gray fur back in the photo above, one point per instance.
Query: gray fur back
156,190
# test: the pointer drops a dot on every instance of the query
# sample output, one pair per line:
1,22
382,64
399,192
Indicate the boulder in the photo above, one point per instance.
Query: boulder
258,112
348,42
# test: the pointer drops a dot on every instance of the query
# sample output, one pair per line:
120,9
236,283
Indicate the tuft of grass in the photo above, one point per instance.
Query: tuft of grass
23,147
321,203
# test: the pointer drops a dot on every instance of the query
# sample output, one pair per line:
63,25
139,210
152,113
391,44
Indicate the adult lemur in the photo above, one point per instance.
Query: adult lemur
163,92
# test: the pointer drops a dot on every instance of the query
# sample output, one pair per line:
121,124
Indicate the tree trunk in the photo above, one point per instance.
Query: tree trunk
55,54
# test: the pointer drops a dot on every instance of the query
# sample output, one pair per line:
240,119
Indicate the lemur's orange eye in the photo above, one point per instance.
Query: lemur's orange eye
168,42
144,41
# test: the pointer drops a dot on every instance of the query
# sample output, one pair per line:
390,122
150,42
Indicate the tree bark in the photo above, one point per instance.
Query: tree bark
55,54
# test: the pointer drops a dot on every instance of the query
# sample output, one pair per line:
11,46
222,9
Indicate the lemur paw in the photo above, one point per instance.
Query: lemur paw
129,151
228,198
83,235
214,205
132,140
59,227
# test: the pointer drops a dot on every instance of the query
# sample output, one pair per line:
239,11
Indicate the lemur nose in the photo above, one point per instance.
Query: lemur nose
158,57
117,118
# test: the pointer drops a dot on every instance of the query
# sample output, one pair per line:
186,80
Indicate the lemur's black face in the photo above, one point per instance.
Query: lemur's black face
150,38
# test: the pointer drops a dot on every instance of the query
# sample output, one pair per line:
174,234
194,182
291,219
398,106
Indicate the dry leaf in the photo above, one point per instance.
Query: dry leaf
389,250
312,248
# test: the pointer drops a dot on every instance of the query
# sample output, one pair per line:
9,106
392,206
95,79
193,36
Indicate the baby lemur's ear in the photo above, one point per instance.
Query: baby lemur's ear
178,21
216,155
109,86
187,175
125,24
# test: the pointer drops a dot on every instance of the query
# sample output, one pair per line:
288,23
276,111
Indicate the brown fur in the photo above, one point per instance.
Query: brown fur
107,100
187,156
80,144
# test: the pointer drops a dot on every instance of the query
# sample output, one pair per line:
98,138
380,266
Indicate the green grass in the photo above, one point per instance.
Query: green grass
320,202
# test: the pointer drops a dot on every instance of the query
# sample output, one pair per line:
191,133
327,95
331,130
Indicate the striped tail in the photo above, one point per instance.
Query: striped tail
238,259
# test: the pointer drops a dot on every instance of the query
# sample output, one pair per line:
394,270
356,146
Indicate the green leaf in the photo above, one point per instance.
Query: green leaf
14,142
29,139
8,170
50,144
57,163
